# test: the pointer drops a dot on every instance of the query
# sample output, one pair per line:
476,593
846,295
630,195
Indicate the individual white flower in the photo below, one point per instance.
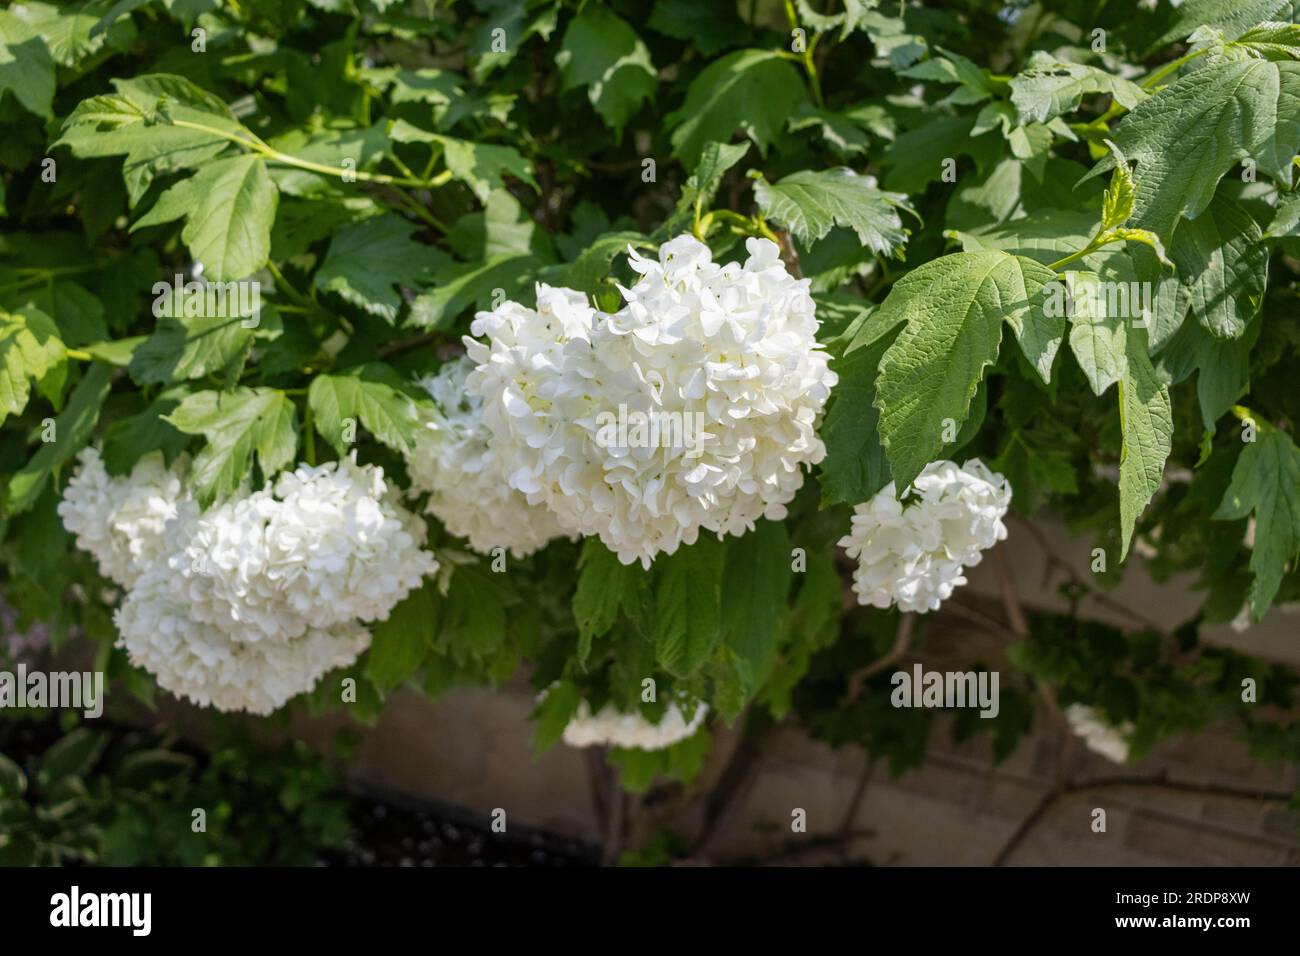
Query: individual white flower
325,545
723,358
454,462
120,521
1099,735
613,728
913,553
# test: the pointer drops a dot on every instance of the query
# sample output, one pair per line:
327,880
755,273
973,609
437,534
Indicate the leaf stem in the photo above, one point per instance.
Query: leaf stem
309,432
1172,66
805,56
285,159
1086,250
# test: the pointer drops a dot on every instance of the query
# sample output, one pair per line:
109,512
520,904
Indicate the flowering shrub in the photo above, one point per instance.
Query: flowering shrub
630,349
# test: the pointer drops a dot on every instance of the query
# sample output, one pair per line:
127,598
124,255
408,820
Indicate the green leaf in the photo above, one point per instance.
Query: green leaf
843,132
26,67
368,259
399,644
190,348
1222,268
229,207
478,165
697,195
602,585
143,769
72,428
375,395
590,271
604,54
916,158
1010,193
1266,483
13,782
975,84
117,352
127,440
856,15
237,424
755,592
1286,222
810,203
335,148
1272,41
472,624
1222,366
139,121
516,24
1098,337
553,714
688,606
1147,426
1186,137
78,314
504,227
70,33
753,90
1231,17
71,756
1047,88
638,768
855,467
228,228
1121,195
710,27
953,308
458,286
29,348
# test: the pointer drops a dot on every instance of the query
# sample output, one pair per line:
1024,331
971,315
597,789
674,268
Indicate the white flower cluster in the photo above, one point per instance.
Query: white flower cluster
248,604
913,553
613,728
727,353
120,521
1098,734
454,462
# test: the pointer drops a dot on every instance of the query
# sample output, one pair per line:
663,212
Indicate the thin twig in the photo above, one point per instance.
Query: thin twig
859,677
788,253
1160,781
1010,597
405,345
740,770
1053,561
855,804
975,616
837,841
613,847
596,781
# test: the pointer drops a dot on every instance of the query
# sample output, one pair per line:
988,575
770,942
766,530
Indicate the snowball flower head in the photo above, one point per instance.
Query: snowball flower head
248,604
694,407
613,728
324,545
454,462
231,670
120,520
1099,735
913,553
